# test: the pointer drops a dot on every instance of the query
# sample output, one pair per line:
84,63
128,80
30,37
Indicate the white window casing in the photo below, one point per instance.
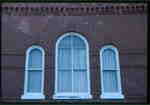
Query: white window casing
111,66
65,93
34,70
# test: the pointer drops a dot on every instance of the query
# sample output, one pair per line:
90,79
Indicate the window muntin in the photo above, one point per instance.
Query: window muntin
72,74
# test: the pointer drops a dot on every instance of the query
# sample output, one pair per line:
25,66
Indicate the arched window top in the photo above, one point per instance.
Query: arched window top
34,47
35,55
35,58
72,39
72,67
110,48
110,57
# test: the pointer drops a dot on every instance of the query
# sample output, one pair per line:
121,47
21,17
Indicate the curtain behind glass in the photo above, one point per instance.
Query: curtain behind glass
64,70
79,69
35,58
80,81
34,81
109,59
110,81
64,59
77,42
64,82
79,58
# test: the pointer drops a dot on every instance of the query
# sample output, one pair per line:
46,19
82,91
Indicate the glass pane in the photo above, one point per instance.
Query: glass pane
109,59
34,81
110,81
64,58
64,81
79,58
35,58
78,42
65,42
80,81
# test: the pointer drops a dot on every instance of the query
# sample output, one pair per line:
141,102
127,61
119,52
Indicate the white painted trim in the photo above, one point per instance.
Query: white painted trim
72,96
56,94
29,95
111,95
33,96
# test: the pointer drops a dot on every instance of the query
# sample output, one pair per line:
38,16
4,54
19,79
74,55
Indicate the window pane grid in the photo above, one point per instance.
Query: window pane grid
76,65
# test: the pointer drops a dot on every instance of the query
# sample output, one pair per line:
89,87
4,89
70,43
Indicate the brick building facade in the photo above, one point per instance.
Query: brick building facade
121,25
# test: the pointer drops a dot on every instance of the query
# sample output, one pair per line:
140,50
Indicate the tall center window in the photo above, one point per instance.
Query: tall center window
72,67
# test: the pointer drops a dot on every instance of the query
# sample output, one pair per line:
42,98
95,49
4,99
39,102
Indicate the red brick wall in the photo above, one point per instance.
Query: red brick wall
127,32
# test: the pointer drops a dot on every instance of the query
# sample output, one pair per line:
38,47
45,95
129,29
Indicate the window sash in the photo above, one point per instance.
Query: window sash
36,78
110,81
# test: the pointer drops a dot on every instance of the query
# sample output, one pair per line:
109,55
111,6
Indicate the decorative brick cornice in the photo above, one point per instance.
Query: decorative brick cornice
71,10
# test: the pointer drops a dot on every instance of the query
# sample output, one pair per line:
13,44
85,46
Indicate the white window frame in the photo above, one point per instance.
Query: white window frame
35,95
65,95
111,95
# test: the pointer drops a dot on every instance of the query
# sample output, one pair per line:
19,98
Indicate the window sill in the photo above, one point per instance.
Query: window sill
112,96
33,96
72,96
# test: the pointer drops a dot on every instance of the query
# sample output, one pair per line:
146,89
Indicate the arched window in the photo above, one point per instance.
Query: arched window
72,67
34,73
110,73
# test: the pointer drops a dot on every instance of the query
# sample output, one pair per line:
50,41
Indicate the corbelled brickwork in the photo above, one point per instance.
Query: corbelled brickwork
73,9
